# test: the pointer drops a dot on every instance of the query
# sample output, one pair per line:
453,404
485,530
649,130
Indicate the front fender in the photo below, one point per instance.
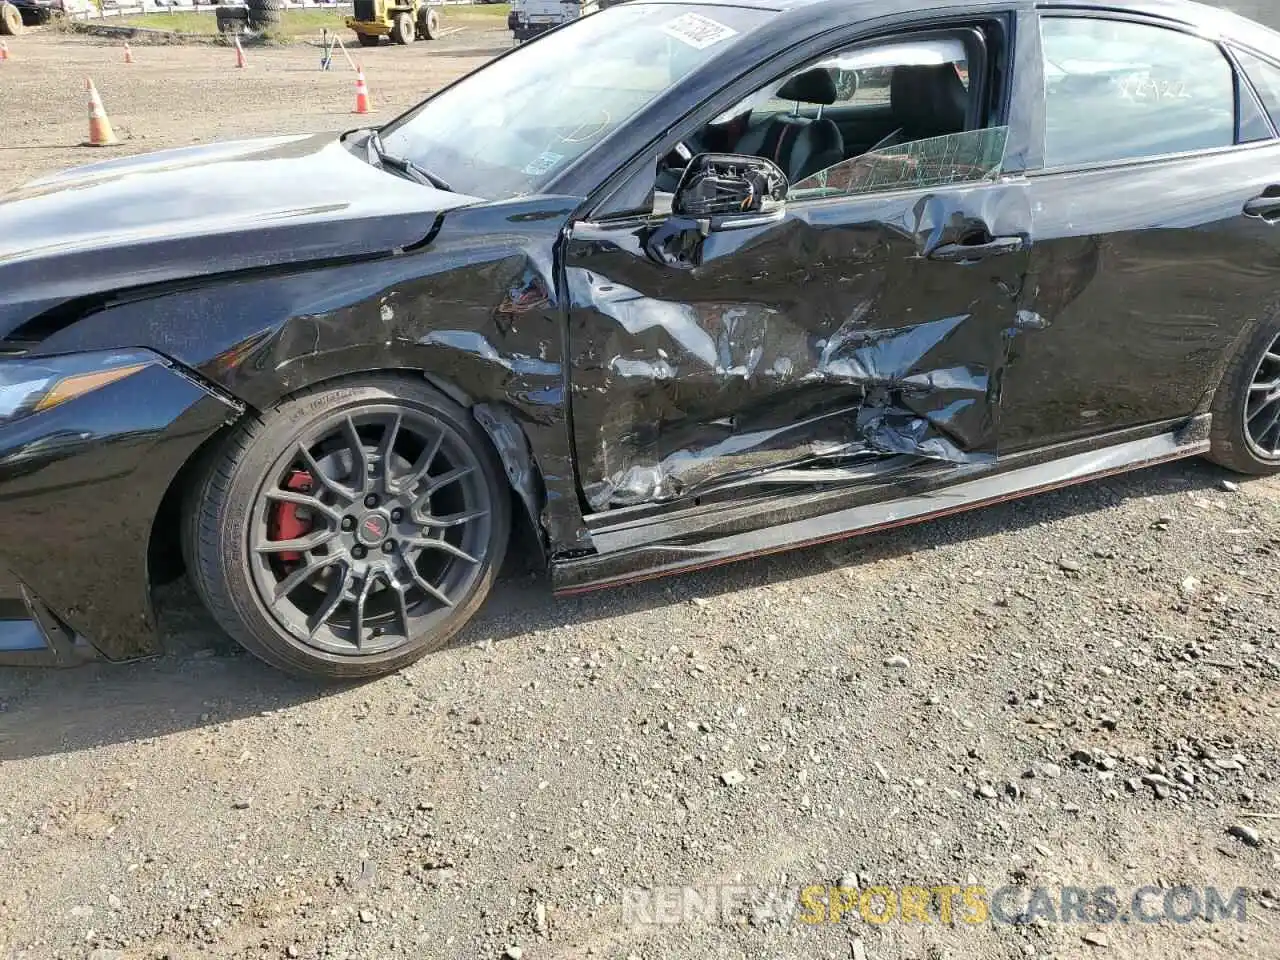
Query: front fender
80,488
476,310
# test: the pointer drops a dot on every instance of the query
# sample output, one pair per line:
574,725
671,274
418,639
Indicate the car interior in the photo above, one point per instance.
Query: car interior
868,98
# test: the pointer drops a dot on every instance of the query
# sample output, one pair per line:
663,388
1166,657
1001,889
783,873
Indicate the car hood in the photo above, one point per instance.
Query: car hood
199,211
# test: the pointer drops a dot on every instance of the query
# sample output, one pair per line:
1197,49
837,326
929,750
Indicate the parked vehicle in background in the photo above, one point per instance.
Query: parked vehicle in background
528,18
402,22
31,13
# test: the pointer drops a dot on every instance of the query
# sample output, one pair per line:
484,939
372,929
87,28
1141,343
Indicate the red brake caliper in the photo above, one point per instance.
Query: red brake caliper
288,525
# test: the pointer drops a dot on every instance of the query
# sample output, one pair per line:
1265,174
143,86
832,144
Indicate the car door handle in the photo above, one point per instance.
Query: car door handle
972,252
1263,207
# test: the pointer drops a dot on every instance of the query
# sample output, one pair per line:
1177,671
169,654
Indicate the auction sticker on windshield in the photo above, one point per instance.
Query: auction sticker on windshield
697,31
542,163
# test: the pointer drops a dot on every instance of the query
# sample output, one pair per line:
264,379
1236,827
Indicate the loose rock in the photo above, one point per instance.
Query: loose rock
1245,834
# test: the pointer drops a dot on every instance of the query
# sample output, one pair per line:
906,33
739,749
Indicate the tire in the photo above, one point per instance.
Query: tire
368,39
428,23
362,610
265,13
10,20
402,28
231,19
1246,407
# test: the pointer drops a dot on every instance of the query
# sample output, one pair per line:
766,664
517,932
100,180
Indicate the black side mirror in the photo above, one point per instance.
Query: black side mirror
716,185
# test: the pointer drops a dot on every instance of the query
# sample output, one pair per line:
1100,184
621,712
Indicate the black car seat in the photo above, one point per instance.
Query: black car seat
801,146
927,102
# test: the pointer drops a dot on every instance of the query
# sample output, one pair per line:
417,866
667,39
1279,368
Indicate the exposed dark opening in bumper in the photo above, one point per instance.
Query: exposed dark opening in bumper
31,635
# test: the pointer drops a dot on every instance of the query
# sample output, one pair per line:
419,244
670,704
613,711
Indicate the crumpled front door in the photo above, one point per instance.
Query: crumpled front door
846,329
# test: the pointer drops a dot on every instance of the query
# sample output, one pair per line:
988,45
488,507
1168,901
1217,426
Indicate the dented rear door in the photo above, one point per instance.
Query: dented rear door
850,327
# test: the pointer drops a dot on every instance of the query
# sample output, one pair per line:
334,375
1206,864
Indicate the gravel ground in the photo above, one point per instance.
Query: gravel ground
1076,689
172,96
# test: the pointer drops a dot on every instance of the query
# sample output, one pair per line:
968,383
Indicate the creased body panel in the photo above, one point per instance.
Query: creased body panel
196,212
826,334
729,537
1147,277
475,311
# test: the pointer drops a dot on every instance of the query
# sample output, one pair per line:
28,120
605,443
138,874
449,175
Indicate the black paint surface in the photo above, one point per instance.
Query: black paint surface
626,367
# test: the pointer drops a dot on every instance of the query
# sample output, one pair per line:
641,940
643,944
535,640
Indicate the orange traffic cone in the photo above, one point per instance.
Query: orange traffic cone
362,92
128,54
4,50
100,132
240,55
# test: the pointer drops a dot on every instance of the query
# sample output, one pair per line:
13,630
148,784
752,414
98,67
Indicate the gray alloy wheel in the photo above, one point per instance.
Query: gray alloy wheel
1262,411
1246,408
352,530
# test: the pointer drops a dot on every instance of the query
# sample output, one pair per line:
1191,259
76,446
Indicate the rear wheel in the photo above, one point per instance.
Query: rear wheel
402,29
351,530
1246,409
428,23
10,20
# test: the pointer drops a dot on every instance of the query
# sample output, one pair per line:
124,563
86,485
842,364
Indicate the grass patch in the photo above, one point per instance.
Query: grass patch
293,23
478,11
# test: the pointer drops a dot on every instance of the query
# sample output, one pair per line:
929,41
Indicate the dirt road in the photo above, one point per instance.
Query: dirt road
1078,689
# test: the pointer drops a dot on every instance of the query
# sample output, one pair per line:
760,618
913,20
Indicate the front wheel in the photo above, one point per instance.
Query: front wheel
1246,408
402,29
351,530
367,39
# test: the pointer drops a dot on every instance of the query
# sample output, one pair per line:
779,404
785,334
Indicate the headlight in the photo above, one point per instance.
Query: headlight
41,383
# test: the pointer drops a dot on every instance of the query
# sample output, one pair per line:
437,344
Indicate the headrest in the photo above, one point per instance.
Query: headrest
812,86
931,98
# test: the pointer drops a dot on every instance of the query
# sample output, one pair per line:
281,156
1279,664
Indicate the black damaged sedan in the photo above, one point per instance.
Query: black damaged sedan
673,285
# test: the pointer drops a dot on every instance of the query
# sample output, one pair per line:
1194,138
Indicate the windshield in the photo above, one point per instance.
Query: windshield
511,126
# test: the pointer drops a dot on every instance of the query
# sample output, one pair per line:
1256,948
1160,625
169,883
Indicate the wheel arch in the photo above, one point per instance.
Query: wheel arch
507,439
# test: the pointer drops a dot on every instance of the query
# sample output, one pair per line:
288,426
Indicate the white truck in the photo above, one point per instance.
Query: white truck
528,18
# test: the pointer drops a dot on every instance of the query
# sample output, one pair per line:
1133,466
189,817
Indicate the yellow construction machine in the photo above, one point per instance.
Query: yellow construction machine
403,21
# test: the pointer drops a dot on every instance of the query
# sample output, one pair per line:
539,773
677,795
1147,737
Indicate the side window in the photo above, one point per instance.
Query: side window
1266,80
1117,90
969,157
889,115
